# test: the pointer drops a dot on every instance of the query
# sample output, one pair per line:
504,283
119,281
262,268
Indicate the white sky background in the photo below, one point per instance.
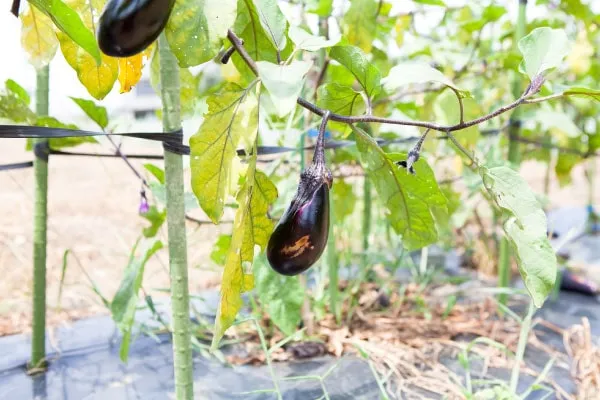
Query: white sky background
64,83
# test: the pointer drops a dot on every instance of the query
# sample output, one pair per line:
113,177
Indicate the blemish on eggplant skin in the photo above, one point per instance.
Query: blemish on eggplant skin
298,247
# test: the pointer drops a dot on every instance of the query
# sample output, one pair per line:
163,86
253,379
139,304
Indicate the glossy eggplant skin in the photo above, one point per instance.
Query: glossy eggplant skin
127,27
301,234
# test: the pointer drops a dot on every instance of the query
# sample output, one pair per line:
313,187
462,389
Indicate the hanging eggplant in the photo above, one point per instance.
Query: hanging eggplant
301,234
127,27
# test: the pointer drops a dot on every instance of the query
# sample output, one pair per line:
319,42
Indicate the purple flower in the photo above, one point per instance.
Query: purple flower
144,206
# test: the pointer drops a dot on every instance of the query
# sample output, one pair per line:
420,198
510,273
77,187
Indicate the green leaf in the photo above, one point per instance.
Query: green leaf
252,227
157,172
232,115
18,91
273,21
196,28
320,7
543,49
305,41
14,105
356,61
257,41
156,219
416,72
124,303
360,23
408,198
340,100
284,83
69,22
97,113
526,229
582,91
344,199
447,111
281,296
220,249
431,2
563,167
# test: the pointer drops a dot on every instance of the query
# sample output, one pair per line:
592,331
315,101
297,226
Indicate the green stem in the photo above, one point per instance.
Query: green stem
40,168
182,349
513,151
366,219
523,338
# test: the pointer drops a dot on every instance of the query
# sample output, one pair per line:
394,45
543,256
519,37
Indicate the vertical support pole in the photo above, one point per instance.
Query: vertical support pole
182,350
40,215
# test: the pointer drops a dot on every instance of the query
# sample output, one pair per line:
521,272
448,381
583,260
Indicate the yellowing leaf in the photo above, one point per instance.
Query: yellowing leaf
130,72
37,37
232,115
98,79
130,69
252,227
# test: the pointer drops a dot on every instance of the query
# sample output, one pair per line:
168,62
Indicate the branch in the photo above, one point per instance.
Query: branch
236,42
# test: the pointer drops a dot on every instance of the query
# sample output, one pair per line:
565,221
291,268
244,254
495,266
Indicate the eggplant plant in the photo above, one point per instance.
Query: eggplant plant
376,75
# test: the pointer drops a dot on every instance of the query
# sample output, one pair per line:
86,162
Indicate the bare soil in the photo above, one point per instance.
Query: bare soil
92,210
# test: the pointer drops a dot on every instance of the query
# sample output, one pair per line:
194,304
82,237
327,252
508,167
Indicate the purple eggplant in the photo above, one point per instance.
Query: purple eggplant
128,27
301,234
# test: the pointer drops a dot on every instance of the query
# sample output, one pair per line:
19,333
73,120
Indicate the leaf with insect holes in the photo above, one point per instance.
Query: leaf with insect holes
252,227
409,199
98,78
359,24
543,49
357,63
526,229
284,83
305,41
282,295
196,28
70,23
37,37
232,117
416,72
273,21
97,113
125,301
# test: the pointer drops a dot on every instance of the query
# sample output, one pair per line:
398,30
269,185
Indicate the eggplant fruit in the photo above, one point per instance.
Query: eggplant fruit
301,234
127,27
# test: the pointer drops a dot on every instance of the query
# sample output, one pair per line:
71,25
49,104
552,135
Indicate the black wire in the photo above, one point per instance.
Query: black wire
21,165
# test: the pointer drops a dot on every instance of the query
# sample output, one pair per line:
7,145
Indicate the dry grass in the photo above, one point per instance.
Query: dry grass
410,349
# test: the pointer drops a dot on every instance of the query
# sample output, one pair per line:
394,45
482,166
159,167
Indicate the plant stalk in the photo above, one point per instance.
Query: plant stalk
40,220
182,348
504,270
